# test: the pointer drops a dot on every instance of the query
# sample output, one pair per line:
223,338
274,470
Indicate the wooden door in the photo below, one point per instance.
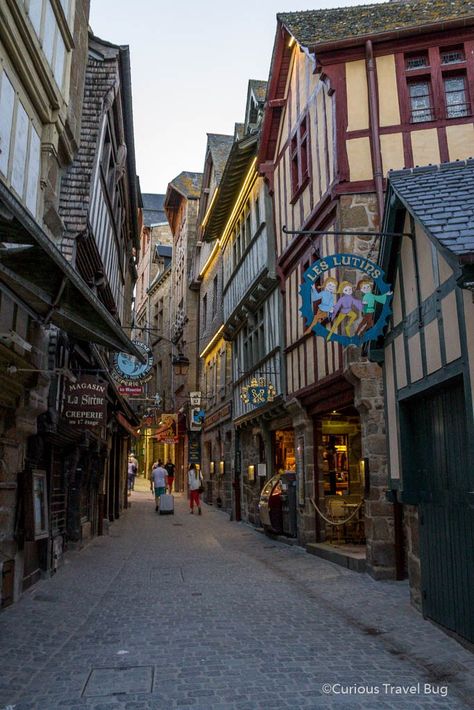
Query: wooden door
439,476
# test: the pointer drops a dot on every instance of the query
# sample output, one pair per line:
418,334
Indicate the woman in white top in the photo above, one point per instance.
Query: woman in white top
194,485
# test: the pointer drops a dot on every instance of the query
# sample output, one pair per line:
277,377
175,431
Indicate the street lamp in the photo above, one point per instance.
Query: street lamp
180,364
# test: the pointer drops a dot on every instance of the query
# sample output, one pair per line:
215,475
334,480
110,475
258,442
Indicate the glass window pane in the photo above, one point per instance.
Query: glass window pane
49,32
19,149
34,12
33,171
452,56
419,89
456,99
59,61
420,101
66,6
7,101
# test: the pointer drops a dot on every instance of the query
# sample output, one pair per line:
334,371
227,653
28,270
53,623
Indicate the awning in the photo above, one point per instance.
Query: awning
36,272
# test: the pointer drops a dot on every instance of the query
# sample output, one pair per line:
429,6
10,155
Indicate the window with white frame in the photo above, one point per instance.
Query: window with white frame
46,27
20,144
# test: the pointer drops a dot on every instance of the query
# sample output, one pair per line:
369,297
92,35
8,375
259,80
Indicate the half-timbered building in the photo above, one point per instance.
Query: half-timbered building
48,313
428,363
214,351
241,225
181,207
353,93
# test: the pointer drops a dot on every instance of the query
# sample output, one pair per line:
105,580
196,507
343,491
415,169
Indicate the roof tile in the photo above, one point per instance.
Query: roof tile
441,197
314,27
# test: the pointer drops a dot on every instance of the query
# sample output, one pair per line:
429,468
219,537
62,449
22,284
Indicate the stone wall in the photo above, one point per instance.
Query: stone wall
366,377
412,546
250,455
304,429
217,446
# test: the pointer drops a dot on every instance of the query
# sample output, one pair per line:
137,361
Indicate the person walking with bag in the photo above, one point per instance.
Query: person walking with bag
158,482
195,488
131,473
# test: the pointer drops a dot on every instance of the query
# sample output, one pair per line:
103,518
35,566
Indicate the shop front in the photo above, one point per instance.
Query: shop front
339,478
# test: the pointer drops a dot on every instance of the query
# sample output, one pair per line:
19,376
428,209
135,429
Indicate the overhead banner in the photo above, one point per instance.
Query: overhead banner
85,403
167,431
340,309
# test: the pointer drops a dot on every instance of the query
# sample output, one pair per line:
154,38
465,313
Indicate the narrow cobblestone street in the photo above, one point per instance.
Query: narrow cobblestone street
187,611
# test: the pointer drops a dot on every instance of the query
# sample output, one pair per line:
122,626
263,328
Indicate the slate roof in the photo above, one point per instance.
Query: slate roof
259,88
153,209
188,184
441,197
164,251
317,27
220,146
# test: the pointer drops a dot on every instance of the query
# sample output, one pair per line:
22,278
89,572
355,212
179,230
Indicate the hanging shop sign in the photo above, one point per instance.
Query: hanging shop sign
167,431
197,418
131,390
195,399
148,420
85,403
259,391
341,308
128,371
194,447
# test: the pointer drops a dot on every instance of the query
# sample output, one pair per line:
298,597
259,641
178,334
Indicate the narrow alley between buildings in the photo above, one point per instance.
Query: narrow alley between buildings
186,611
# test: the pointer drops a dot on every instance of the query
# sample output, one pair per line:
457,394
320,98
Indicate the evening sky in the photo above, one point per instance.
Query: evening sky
191,62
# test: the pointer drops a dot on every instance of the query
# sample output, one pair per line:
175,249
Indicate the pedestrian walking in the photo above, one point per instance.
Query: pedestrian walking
170,468
158,482
131,473
195,488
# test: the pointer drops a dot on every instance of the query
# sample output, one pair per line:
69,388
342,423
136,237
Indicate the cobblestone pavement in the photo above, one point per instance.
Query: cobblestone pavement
197,612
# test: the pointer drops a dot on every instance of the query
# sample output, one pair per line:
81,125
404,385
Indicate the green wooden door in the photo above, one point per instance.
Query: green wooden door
438,475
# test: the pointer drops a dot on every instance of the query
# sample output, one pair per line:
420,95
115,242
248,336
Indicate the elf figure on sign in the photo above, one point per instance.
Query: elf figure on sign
365,286
344,309
326,300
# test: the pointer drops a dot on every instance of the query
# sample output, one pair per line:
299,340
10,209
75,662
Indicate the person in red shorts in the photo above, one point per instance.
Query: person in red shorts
195,488
170,477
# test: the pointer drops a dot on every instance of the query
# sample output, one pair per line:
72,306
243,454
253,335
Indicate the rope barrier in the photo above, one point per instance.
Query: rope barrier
333,522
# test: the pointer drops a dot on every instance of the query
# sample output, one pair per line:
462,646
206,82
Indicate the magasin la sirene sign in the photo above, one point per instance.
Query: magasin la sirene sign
341,308
85,403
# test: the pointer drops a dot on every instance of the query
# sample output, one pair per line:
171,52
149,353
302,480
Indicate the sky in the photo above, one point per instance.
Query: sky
191,62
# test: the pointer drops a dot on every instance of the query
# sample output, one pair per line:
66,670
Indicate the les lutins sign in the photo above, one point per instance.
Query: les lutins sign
340,308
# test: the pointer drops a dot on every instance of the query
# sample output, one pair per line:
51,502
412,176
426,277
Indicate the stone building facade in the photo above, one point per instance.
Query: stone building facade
214,350
182,207
152,325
